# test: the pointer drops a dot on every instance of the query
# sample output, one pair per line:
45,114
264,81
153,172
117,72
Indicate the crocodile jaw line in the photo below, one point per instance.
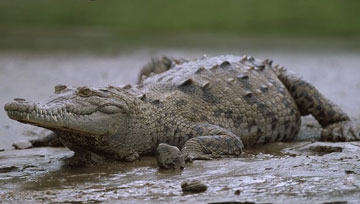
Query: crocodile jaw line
56,118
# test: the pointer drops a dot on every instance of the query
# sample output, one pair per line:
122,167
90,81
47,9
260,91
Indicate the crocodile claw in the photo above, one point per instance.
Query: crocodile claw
190,157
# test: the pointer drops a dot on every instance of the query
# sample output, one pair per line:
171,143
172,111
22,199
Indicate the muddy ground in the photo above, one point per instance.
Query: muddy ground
297,172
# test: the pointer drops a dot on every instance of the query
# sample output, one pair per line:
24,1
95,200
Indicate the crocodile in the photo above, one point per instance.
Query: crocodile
208,107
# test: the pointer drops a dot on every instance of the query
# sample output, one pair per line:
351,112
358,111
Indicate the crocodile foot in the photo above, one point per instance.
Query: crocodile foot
51,140
84,159
197,156
341,132
190,156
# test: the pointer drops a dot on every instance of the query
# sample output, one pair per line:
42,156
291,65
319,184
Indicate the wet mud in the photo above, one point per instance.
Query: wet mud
302,171
40,175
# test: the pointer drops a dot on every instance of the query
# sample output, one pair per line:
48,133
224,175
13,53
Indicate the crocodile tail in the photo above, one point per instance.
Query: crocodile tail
158,65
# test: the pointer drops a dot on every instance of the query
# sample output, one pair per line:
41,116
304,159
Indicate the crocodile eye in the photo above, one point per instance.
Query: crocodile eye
84,92
110,109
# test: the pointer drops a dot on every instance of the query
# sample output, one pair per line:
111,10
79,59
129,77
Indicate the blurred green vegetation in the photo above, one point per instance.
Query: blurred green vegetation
260,17
132,20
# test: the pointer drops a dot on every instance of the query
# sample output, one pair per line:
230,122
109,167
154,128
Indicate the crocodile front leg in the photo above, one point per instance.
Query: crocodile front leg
335,123
50,140
84,158
212,141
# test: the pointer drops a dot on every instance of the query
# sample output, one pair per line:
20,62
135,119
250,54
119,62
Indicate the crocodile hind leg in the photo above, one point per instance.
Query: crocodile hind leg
335,123
158,65
211,141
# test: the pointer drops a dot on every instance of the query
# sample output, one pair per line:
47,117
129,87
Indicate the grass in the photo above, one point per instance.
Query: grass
246,17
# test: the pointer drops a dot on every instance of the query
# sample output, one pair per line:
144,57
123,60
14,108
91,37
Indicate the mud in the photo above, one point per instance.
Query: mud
302,171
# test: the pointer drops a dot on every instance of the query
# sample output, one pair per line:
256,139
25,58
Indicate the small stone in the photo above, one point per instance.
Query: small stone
193,186
2,149
349,172
169,157
23,144
336,202
237,192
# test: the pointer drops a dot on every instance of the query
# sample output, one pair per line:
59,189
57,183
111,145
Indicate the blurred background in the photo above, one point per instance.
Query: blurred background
101,42
110,25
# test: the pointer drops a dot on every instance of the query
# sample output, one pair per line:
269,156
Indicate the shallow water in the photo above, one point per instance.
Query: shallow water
262,174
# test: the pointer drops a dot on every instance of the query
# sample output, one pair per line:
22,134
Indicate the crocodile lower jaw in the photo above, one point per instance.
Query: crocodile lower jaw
35,116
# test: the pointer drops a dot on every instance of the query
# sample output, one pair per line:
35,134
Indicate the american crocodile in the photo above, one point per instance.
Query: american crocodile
208,107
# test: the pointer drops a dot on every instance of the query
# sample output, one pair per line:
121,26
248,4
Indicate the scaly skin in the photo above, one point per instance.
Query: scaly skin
209,107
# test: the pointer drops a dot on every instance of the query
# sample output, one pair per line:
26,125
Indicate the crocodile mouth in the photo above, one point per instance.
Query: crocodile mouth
53,118
36,115
77,118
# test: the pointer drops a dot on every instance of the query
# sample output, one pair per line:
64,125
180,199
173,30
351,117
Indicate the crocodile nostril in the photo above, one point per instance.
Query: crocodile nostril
59,88
19,99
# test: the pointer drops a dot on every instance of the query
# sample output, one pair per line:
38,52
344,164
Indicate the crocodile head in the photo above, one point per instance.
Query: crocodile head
82,110
82,117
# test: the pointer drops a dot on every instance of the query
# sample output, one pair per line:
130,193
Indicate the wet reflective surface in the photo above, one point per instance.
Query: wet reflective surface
297,172
39,175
